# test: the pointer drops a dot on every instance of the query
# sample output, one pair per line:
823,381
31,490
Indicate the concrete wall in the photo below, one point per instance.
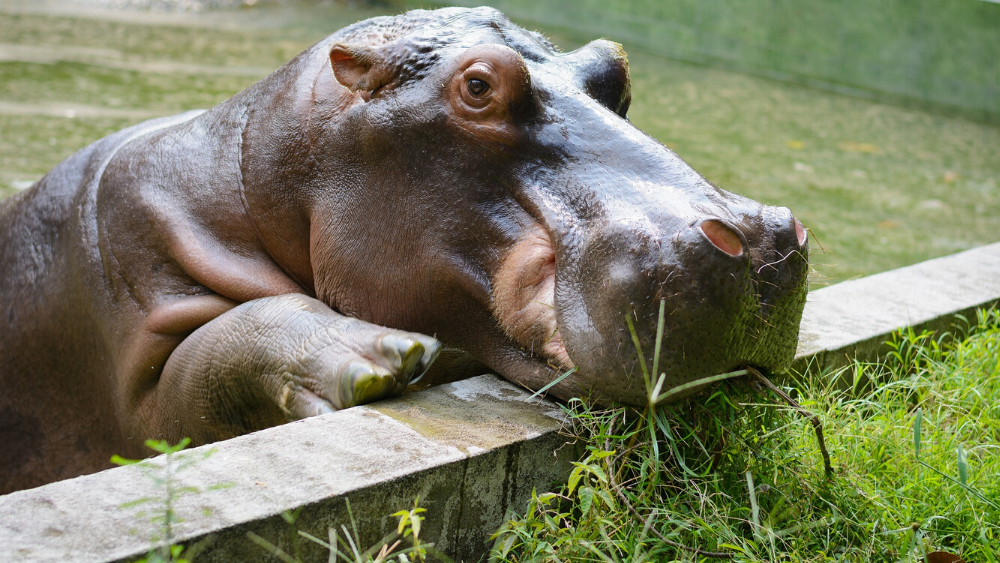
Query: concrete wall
470,450
937,54
853,319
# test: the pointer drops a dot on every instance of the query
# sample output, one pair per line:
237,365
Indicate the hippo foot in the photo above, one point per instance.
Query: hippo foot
396,361
283,358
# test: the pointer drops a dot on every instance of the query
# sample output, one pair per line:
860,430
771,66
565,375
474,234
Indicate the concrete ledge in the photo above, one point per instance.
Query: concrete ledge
853,319
470,450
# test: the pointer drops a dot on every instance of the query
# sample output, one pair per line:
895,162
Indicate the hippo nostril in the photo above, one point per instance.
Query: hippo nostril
800,233
723,237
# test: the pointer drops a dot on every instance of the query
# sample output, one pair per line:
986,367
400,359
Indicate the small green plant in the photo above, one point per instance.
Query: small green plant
163,512
345,544
915,468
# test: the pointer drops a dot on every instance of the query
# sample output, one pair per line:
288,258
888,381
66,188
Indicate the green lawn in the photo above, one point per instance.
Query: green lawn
916,468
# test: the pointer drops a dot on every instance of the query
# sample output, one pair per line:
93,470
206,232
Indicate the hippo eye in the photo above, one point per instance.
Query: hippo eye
477,87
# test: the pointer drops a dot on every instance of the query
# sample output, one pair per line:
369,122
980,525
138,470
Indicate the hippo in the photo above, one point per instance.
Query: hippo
438,182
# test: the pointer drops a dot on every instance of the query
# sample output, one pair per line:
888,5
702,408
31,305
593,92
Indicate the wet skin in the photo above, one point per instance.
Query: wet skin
437,177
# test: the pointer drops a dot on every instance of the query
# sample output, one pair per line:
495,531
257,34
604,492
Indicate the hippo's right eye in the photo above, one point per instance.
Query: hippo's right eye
477,87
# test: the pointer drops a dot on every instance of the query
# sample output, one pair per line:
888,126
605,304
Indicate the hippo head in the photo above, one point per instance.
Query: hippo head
465,179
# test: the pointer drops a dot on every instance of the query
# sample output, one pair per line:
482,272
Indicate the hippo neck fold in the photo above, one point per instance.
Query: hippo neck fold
277,164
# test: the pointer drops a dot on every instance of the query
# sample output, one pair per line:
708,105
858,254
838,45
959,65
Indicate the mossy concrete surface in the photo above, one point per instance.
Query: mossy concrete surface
469,451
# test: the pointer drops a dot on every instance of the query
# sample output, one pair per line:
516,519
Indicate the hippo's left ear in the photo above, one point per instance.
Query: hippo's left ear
360,68
602,66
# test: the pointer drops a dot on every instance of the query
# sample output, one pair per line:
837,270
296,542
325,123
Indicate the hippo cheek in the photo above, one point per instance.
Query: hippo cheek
524,298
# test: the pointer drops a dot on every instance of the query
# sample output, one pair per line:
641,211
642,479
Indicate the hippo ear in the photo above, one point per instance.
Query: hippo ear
360,67
603,68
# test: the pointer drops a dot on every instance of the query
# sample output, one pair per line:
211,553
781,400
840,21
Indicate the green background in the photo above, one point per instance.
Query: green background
942,54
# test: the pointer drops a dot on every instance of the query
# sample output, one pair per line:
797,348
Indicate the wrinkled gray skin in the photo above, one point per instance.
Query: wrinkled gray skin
441,173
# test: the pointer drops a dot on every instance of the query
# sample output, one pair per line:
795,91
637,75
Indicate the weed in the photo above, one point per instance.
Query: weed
345,544
164,514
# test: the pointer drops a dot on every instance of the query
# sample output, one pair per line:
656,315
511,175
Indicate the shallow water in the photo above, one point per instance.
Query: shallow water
880,186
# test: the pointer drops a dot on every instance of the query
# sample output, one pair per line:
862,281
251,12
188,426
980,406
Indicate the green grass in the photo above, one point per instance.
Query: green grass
31,144
91,85
916,469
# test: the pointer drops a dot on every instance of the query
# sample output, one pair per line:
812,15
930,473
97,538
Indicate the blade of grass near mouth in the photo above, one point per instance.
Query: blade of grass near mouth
656,389
638,350
697,383
659,340
552,383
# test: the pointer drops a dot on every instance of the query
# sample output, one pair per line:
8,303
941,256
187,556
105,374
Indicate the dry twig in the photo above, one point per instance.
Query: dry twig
801,410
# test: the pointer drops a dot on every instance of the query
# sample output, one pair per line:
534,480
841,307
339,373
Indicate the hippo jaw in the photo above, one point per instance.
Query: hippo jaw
726,306
743,309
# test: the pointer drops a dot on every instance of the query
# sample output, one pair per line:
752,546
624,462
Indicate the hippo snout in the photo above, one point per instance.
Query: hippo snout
732,284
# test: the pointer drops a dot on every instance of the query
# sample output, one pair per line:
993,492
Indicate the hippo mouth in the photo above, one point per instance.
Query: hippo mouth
729,304
524,298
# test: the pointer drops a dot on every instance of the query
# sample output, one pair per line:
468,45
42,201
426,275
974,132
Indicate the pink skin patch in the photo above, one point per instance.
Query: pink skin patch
524,297
800,232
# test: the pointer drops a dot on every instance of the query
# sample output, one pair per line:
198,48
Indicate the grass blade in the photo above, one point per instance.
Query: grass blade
698,382
656,390
271,548
638,350
552,384
754,507
963,467
659,341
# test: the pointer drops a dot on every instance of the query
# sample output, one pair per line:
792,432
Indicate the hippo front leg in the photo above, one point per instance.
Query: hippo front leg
277,359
